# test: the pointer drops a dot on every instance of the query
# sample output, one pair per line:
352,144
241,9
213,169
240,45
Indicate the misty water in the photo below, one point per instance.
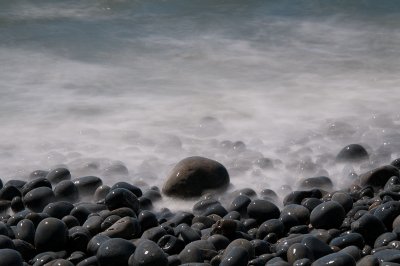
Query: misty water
125,89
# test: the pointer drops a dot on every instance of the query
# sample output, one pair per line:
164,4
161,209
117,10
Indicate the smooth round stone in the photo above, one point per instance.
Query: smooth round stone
78,238
260,247
27,250
134,189
76,257
327,215
66,191
51,234
343,199
318,248
4,205
336,259
311,203
93,224
387,212
193,175
107,222
220,242
368,260
9,192
95,242
37,198
81,213
35,183
369,226
388,255
87,185
154,234
171,244
197,251
322,182
59,174
237,256
59,262
38,173
147,220
270,226
25,231
353,251
148,253
302,262
91,261
352,153
70,221
298,251
301,213
393,184
384,239
152,194
269,194
115,251
296,197
126,228
187,233
16,183
101,192
262,210
224,227
378,177
242,243
6,242
10,257
58,209
17,205
345,240
240,204
181,217
121,197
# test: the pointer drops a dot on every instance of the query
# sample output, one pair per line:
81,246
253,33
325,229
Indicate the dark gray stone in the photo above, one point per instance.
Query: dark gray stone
327,215
148,253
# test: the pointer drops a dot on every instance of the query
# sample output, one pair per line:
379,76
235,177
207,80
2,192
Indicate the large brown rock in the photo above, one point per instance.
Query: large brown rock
193,175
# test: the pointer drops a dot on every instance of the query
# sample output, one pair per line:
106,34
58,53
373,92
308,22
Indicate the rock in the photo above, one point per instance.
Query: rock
10,257
51,234
237,256
94,243
345,240
343,199
298,251
58,209
270,226
148,253
57,175
301,213
9,192
115,251
194,175
6,242
87,185
197,251
121,197
352,153
37,198
336,259
171,244
262,210
369,226
327,215
388,255
387,212
25,231
134,189
66,190
322,182
126,228
378,177
317,247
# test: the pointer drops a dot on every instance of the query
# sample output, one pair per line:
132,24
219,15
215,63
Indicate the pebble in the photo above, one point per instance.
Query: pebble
126,228
37,198
262,210
237,256
148,253
121,197
51,234
57,175
115,251
327,215
336,259
352,153
87,185
10,257
66,190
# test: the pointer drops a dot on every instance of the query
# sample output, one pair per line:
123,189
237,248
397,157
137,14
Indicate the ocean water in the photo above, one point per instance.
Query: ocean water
124,89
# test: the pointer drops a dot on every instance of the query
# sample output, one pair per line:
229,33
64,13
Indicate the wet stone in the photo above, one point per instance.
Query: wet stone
299,251
57,175
101,192
10,257
240,204
237,256
317,247
9,192
6,242
121,197
297,196
58,209
352,153
37,198
171,244
115,251
327,215
387,212
322,182
27,250
148,253
126,228
25,231
38,173
51,234
384,239
134,189
95,242
17,204
311,203
87,185
301,213
80,213
66,190
262,210
378,177
193,175
78,238
345,240
369,226
336,259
